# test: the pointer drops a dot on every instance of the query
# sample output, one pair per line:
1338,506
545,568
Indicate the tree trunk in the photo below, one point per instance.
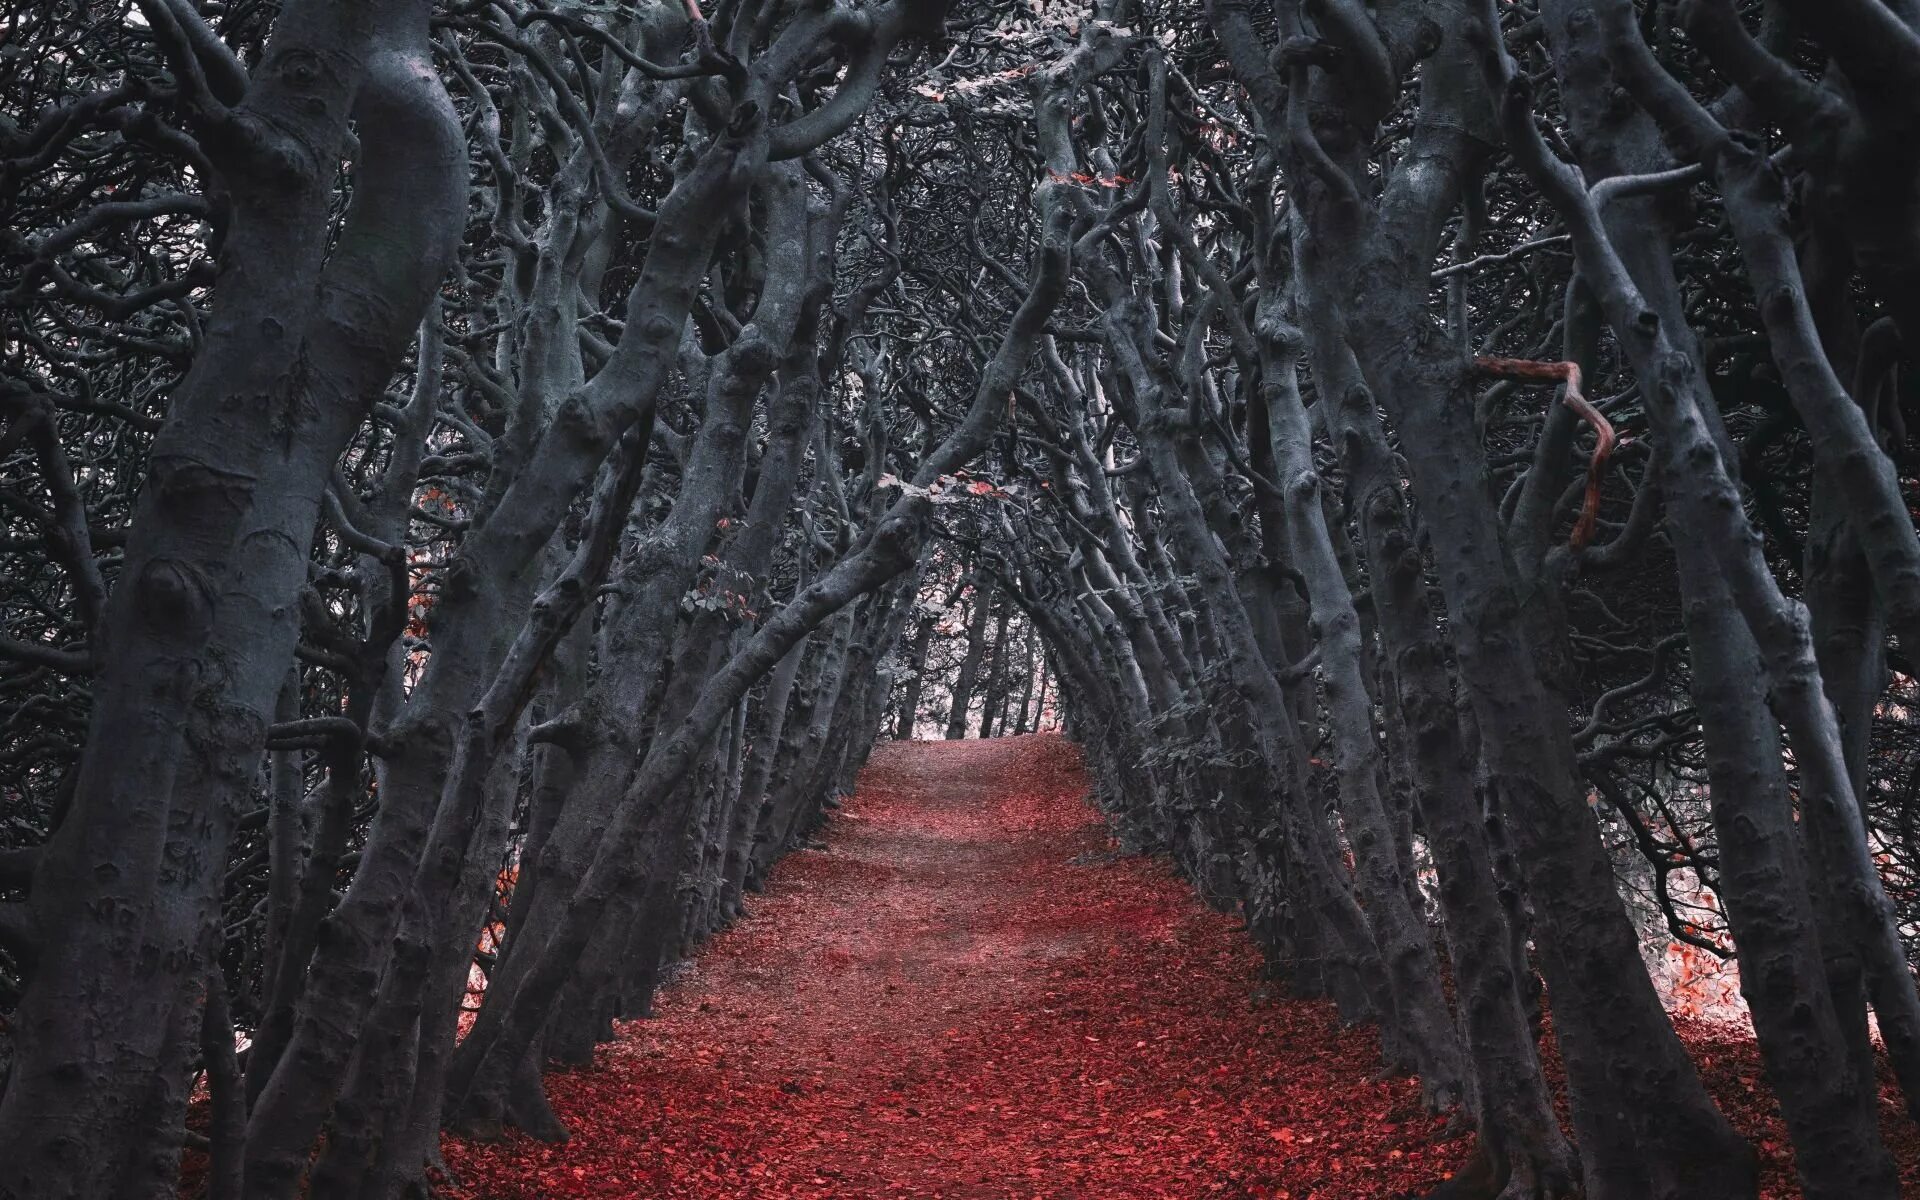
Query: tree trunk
198,635
958,714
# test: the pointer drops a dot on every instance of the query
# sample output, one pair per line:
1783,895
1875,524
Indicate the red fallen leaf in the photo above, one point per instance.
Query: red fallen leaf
937,1026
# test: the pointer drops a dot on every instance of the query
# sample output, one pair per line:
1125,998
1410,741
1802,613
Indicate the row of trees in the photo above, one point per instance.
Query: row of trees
472,476
447,446
1476,451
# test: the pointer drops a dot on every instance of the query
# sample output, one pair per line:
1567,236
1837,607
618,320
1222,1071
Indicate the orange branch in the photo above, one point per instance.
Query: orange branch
1605,439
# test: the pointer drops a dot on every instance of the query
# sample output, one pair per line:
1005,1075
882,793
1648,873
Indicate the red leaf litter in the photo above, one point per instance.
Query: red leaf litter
971,996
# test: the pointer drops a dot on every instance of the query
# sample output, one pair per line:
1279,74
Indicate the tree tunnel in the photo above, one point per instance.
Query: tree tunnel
479,480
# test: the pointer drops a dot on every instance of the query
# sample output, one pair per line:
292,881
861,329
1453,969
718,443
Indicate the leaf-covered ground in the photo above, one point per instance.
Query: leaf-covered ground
969,996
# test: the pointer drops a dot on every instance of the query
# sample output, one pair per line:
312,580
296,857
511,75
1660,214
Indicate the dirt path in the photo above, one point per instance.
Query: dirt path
970,996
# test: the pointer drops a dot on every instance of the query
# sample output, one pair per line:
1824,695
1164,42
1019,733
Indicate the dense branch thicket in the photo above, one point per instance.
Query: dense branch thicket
477,477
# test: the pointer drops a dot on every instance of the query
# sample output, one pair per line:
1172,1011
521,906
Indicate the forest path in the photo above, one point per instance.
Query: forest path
970,996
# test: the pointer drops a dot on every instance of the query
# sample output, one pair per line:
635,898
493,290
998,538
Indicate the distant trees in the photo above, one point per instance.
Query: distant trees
970,664
498,467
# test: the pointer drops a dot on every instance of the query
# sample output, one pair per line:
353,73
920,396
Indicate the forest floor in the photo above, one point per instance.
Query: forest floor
971,995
